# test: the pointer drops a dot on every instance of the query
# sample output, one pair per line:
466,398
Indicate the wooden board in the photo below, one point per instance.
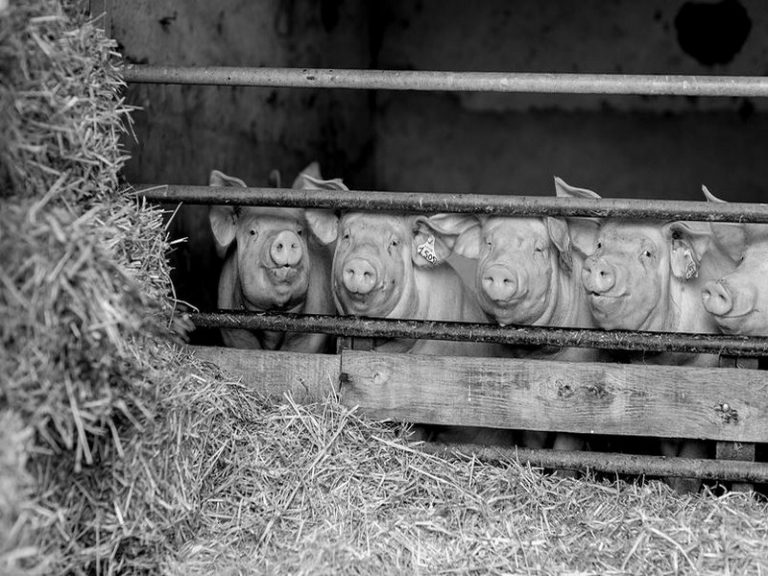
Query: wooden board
307,377
623,399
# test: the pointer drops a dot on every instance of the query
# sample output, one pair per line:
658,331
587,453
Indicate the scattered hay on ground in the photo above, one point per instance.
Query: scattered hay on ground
318,490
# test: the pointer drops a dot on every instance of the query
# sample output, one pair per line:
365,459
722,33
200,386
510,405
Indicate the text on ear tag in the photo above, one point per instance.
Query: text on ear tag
427,250
691,269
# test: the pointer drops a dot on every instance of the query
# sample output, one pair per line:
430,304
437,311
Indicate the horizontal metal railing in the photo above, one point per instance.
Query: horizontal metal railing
515,82
728,470
357,326
475,203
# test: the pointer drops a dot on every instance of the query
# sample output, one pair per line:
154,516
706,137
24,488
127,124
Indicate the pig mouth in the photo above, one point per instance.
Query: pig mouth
283,274
733,323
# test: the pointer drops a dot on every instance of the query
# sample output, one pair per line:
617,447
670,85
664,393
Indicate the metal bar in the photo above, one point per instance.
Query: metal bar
477,203
461,331
612,462
518,82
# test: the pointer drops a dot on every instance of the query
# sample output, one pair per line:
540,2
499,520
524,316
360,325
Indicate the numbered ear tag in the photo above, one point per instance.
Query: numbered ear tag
427,250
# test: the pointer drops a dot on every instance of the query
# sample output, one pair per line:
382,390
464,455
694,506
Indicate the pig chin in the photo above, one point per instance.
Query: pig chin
609,311
524,311
750,323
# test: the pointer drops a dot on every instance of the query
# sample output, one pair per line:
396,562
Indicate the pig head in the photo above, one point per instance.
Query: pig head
393,266
529,273
738,301
274,261
646,275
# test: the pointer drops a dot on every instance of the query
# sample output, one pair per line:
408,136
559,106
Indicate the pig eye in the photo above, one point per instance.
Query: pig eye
252,232
538,249
300,232
394,243
599,245
346,236
647,253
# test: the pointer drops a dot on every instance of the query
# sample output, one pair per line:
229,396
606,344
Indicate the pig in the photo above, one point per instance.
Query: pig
394,266
276,259
738,301
648,275
390,265
529,273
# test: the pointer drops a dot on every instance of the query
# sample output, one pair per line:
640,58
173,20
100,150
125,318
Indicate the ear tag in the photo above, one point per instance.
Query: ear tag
691,269
427,250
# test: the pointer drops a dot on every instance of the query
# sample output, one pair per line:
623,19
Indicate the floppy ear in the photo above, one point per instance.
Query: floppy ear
434,237
459,232
312,170
730,237
559,235
223,218
323,223
690,241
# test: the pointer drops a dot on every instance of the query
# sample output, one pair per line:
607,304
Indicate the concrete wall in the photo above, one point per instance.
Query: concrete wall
183,132
648,147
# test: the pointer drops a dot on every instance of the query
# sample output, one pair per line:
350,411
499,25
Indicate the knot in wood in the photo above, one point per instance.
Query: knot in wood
564,389
727,414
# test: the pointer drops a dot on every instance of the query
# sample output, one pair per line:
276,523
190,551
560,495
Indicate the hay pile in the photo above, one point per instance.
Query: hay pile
84,300
120,454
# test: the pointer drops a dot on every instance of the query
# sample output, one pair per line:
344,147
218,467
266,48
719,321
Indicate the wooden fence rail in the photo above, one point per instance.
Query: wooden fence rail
728,405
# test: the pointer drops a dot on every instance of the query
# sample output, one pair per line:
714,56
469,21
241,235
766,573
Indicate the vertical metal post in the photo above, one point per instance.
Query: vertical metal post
737,450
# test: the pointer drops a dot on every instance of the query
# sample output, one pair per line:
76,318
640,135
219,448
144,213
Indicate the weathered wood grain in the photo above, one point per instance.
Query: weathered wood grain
737,450
307,377
623,399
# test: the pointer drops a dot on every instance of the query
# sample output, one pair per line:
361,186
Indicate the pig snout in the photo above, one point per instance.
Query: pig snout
286,249
717,298
500,283
599,276
359,276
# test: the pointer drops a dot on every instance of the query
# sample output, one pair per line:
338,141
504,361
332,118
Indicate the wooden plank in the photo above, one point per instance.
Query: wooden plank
307,377
737,450
617,399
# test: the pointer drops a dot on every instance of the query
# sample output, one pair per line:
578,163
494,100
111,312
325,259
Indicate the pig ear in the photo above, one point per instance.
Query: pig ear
690,241
312,171
323,223
434,237
561,238
730,237
223,218
563,190
460,233
311,183
583,232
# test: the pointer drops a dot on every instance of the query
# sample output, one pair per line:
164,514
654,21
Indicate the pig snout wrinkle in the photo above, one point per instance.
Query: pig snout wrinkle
600,275
286,249
359,276
717,298
500,283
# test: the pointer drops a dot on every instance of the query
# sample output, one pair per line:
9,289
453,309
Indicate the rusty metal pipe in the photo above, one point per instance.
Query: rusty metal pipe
518,82
461,331
668,210
612,462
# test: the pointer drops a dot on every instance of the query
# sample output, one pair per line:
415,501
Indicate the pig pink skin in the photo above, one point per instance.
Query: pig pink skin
747,311
738,301
647,294
550,291
310,297
651,292
407,286
250,281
